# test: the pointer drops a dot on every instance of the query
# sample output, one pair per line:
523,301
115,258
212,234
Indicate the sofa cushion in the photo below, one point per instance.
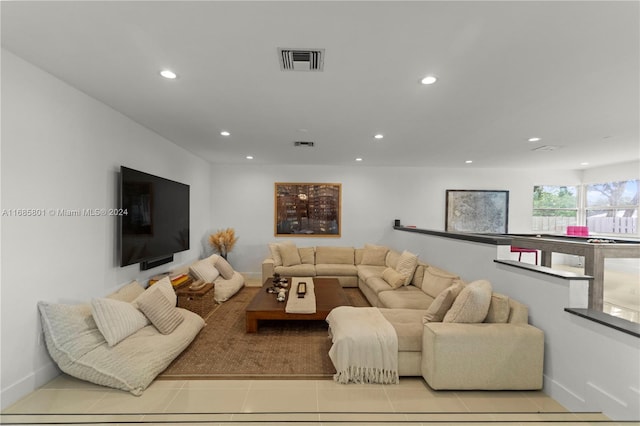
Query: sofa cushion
377,284
224,267
436,280
296,271
69,330
374,255
498,309
472,304
336,255
205,269
224,289
367,271
407,265
155,306
441,304
307,255
418,274
392,259
336,270
408,326
405,297
290,255
394,278
116,320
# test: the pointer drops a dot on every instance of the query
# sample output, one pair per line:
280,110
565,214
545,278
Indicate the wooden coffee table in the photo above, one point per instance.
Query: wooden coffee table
264,306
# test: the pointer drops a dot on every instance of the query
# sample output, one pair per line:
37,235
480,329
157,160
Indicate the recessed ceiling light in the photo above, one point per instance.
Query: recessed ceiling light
358,159
249,157
429,79
168,74
536,139
584,163
468,162
225,133
379,136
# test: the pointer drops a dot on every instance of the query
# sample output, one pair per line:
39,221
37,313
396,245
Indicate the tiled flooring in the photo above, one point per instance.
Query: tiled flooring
65,400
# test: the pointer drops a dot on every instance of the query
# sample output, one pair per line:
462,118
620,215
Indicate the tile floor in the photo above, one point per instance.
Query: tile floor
65,400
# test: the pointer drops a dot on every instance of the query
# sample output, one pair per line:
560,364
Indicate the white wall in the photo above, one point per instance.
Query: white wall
243,198
588,367
613,173
62,150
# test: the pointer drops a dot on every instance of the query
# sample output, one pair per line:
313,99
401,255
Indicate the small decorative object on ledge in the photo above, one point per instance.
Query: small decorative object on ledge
223,241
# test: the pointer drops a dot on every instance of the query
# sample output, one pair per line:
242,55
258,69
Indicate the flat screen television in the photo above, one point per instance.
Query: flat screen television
155,220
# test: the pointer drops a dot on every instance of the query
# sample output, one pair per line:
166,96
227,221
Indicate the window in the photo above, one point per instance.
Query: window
554,208
612,207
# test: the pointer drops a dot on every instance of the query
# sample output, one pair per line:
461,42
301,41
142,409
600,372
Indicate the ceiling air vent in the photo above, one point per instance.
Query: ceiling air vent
303,143
301,59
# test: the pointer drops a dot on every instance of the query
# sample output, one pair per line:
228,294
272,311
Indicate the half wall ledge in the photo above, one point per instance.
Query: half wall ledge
599,317
478,238
607,320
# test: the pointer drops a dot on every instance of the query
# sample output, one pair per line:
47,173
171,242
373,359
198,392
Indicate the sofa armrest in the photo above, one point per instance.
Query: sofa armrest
268,267
482,356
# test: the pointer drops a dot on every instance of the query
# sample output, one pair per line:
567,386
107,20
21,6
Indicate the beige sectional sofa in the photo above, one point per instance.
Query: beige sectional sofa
441,336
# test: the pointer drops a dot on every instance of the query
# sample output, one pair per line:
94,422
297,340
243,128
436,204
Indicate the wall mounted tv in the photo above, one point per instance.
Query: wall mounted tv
156,220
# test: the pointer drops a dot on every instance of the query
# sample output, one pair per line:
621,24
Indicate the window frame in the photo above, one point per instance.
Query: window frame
582,209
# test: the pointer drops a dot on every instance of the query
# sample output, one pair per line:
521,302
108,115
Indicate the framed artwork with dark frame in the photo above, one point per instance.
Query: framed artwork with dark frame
307,209
477,211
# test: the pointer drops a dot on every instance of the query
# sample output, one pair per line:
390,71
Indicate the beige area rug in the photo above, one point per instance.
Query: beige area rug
280,349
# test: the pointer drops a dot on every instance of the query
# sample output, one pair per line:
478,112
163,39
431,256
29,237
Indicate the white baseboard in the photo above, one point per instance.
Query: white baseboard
565,396
623,407
28,384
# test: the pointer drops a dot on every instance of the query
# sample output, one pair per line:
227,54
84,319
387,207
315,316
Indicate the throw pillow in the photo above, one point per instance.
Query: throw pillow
374,255
204,270
407,265
155,306
441,304
394,278
307,255
498,309
274,249
275,254
290,255
472,304
116,320
224,267
166,288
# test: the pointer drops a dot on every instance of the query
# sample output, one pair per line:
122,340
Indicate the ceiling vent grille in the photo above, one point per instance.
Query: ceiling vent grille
304,143
301,59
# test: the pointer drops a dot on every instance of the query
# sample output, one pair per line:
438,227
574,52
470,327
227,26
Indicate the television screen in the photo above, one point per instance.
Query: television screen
155,219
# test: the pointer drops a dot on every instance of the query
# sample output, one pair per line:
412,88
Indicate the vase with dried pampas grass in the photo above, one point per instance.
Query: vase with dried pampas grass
223,241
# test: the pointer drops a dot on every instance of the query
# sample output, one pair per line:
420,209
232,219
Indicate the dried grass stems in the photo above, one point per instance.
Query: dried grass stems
223,241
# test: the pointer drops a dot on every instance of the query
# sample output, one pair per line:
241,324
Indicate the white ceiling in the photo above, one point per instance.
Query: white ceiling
567,72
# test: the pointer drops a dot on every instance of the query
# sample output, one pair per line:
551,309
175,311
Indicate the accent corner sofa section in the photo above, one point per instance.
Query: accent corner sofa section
78,346
503,352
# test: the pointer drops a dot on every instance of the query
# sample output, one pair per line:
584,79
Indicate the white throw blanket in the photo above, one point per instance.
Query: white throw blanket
365,346
301,305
